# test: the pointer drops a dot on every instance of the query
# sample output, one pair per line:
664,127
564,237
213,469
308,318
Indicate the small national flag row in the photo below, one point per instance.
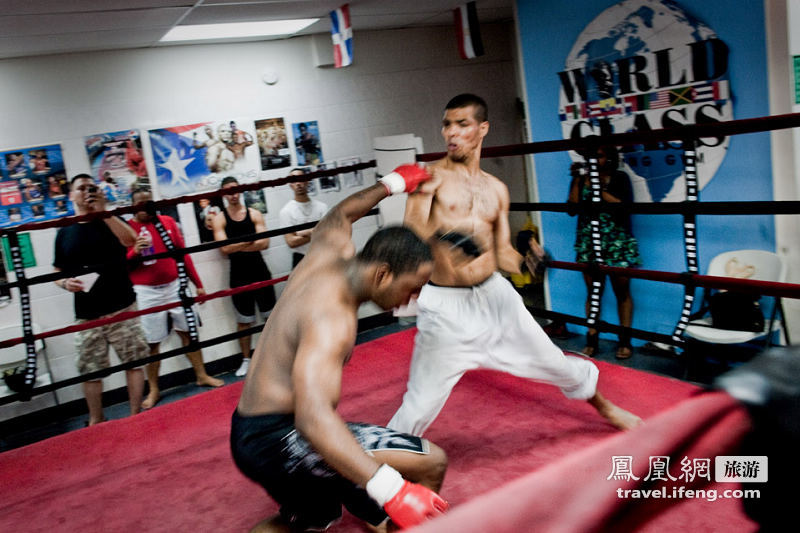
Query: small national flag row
677,96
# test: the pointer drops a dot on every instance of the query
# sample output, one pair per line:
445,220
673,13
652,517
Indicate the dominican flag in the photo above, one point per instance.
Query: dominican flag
342,35
468,31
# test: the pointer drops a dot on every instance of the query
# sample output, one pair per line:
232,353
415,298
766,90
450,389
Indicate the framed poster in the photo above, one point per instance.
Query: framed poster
205,210
328,183
306,143
353,178
118,164
33,185
273,143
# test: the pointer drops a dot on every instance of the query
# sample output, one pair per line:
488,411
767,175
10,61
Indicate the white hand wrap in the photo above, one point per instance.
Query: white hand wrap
383,486
394,183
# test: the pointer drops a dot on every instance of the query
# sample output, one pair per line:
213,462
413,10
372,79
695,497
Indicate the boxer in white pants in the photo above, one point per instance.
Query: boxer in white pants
484,326
469,316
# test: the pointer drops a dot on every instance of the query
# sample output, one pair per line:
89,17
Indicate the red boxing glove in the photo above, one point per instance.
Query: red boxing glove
407,504
405,178
413,505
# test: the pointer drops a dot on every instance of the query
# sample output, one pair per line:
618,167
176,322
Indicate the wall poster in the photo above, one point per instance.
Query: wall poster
33,185
195,157
118,164
306,143
328,183
273,143
352,178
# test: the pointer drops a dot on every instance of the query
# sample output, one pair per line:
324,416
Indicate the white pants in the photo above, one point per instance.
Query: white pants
485,326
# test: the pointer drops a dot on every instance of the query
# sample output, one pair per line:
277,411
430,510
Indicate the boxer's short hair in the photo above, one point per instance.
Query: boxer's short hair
397,246
468,99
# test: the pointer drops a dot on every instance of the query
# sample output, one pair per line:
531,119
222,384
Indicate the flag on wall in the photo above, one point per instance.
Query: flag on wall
468,31
342,35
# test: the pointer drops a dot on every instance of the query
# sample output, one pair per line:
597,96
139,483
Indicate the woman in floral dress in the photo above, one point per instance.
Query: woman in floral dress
618,245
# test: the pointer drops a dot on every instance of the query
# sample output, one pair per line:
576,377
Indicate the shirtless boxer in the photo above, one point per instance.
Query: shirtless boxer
286,433
469,316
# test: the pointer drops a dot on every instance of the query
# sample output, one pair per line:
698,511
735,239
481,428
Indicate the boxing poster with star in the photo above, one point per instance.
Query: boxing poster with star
195,157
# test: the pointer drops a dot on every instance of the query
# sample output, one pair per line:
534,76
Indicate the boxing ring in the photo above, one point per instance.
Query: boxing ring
711,424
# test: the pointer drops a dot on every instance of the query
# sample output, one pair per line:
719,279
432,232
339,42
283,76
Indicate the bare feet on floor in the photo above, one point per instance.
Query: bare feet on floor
151,400
592,344
624,352
621,419
618,417
589,351
208,381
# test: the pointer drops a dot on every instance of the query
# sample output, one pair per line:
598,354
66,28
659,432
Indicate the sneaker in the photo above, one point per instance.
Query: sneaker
243,369
659,349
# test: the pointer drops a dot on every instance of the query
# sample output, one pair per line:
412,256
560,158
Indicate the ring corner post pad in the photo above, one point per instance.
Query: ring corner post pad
390,152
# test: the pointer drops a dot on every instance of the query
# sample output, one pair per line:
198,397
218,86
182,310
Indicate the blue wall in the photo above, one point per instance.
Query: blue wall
548,31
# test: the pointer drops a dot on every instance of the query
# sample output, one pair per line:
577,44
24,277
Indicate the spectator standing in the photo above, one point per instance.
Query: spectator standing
101,244
247,265
157,284
300,210
618,246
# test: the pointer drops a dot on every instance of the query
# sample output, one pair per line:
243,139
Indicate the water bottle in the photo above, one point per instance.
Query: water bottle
150,250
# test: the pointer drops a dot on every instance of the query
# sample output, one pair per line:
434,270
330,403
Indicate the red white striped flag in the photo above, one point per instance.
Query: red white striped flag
468,31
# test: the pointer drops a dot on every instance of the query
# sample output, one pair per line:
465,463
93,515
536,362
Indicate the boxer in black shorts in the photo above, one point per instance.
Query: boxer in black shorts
269,450
285,433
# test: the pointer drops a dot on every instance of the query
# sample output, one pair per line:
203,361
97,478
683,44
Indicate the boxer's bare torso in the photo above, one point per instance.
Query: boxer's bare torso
464,199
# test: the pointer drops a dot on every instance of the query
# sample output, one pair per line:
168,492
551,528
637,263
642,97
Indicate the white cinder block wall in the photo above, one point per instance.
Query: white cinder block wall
399,83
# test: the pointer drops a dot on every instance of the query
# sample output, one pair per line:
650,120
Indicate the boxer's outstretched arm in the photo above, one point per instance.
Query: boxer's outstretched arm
339,220
336,227
355,206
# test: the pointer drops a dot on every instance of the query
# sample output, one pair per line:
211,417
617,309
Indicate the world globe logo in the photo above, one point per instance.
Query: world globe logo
644,65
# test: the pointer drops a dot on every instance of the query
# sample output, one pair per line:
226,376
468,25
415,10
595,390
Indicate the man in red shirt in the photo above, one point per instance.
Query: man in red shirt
157,283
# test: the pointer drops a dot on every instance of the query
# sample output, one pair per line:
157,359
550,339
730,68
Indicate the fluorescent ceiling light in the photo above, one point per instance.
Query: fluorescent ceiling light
203,32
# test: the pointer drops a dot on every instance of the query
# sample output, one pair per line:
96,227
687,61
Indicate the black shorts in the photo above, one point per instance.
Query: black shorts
245,303
245,270
269,450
